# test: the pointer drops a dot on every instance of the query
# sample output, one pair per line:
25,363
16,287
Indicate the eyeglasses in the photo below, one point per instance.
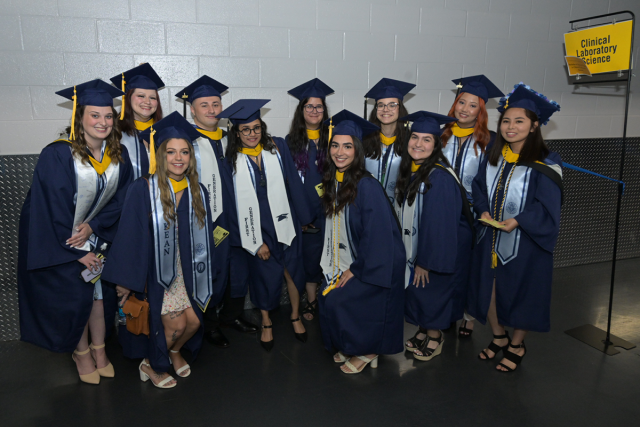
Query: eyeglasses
318,108
391,106
247,131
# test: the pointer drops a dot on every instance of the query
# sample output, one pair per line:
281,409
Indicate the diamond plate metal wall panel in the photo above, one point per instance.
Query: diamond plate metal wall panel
586,228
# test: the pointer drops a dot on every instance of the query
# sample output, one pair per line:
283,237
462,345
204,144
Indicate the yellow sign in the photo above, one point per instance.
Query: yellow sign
604,49
576,66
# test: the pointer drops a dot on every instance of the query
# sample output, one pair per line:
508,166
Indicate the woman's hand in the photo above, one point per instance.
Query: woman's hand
264,253
509,225
487,216
84,231
123,294
91,261
308,226
420,275
346,276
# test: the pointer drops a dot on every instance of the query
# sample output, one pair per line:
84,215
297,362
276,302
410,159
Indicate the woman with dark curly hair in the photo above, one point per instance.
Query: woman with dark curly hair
68,221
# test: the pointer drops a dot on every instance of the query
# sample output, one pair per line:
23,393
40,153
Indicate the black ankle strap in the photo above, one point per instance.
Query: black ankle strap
267,326
521,345
501,337
295,320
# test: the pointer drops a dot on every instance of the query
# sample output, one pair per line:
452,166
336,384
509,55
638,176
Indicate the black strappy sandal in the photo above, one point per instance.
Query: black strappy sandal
415,342
513,358
301,337
311,308
430,353
463,331
495,347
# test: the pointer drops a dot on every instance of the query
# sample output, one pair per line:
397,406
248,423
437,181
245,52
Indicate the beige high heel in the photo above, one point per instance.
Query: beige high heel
162,384
107,371
366,360
180,371
93,377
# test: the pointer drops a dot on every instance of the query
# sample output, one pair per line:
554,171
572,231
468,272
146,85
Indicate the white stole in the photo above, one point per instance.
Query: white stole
411,215
337,255
209,174
389,171
136,150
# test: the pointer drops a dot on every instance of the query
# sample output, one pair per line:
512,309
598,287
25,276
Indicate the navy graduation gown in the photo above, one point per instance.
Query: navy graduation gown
133,267
523,285
266,278
444,248
140,166
312,243
55,302
366,315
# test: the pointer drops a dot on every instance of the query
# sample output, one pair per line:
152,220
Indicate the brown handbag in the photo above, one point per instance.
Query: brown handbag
137,313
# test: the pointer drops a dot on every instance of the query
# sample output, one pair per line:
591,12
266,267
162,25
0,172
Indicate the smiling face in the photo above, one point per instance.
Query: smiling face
342,151
467,109
420,146
97,123
313,118
205,111
254,130
387,115
144,103
515,126
178,156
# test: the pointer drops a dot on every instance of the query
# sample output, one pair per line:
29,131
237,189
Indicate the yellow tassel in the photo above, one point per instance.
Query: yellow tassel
494,259
330,128
73,115
123,96
152,153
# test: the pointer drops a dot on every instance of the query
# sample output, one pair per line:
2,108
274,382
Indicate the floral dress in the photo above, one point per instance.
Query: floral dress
176,298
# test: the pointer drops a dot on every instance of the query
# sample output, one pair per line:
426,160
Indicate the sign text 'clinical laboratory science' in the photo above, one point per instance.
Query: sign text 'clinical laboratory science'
604,49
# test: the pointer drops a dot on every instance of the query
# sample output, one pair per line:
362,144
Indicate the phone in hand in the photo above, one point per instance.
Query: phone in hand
91,275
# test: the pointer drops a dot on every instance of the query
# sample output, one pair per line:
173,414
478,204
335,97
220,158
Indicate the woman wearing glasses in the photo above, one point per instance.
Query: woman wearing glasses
271,206
383,149
307,141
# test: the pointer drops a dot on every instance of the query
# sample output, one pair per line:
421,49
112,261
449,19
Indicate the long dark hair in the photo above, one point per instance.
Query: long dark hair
235,143
349,188
405,188
534,148
79,144
127,124
298,139
372,142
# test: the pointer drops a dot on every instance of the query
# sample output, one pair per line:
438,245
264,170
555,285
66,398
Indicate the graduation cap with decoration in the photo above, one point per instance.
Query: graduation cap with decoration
314,88
479,86
427,122
172,126
347,123
141,77
243,111
524,97
95,92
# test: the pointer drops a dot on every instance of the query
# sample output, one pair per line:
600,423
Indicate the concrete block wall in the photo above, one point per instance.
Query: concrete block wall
262,48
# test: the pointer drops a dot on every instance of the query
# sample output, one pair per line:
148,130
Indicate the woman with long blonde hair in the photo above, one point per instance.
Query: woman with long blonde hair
165,252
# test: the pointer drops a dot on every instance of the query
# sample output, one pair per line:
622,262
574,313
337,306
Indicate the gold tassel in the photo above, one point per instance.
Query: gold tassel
152,153
123,96
494,259
330,129
73,115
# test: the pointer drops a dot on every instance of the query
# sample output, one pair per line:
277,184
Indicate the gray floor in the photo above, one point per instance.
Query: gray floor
562,382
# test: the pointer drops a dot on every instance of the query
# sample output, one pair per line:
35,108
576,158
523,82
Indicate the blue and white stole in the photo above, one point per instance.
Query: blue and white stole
248,207
469,160
93,192
338,252
209,174
512,203
136,149
411,215
166,244
385,169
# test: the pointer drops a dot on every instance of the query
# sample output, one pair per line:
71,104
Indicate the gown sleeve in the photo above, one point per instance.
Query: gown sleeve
128,260
541,218
299,201
479,189
438,234
374,263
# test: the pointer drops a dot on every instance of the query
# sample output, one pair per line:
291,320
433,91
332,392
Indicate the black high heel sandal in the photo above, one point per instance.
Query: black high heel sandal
429,353
301,337
267,345
512,357
311,308
463,331
415,341
495,347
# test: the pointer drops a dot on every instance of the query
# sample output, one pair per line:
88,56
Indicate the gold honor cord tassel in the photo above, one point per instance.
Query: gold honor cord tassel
73,115
331,126
123,96
152,152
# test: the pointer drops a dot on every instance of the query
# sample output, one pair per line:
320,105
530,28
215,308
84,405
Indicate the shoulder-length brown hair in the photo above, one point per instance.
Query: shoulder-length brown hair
534,148
79,144
127,124
168,207
372,142
332,201
481,133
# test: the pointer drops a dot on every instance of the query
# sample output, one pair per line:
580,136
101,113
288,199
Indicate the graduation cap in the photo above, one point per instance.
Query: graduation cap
525,97
95,92
314,88
243,111
347,123
141,77
203,87
172,126
389,88
479,86
427,122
